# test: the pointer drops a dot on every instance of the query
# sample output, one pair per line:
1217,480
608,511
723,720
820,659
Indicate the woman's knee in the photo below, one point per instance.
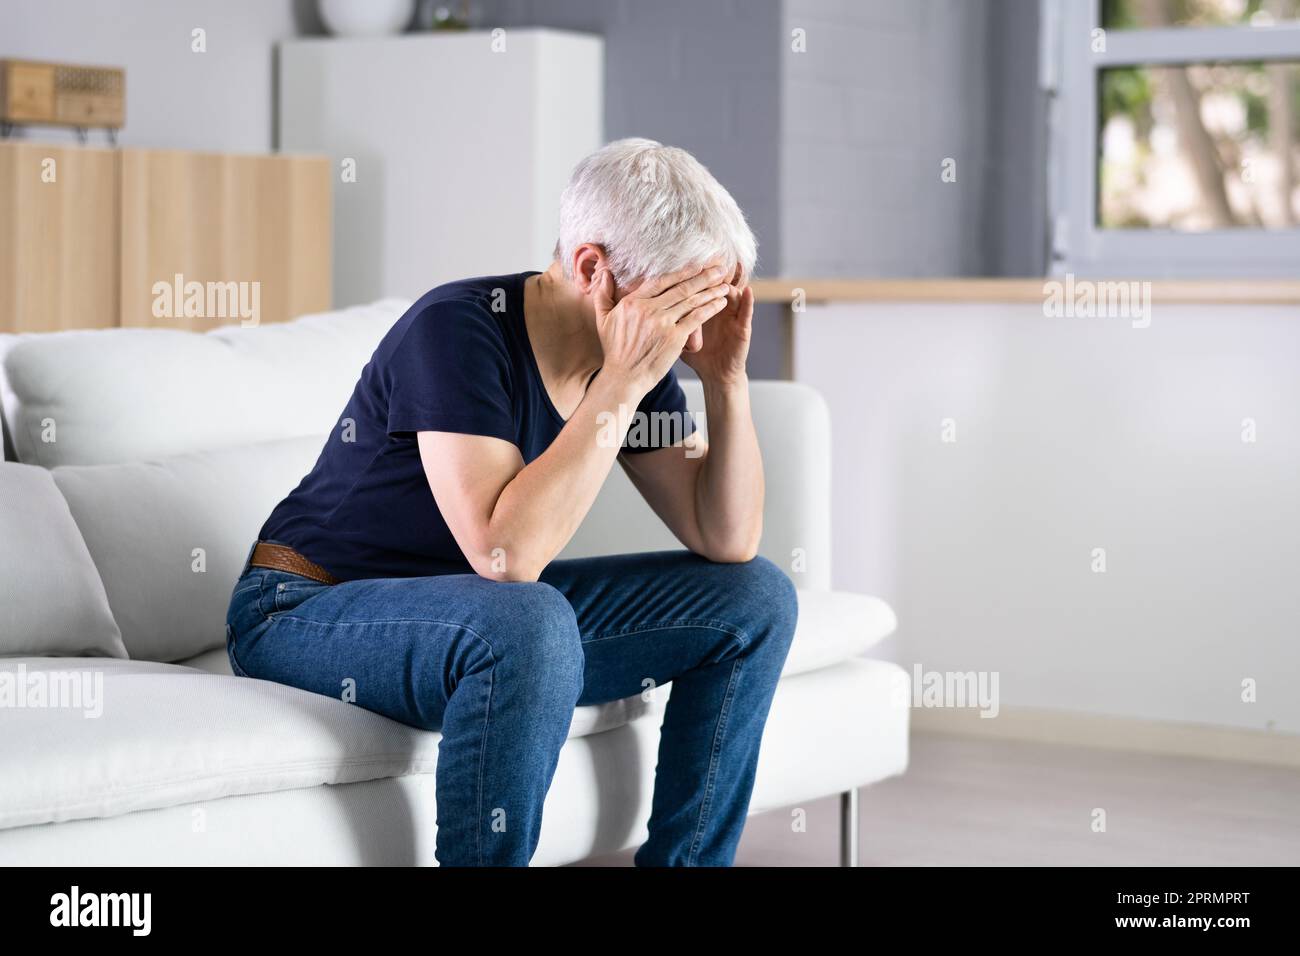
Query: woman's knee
534,628
767,595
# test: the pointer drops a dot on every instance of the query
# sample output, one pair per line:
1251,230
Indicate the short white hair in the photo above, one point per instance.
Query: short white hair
654,209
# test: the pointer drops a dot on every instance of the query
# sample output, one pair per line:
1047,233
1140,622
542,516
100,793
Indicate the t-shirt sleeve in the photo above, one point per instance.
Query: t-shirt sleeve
451,373
662,419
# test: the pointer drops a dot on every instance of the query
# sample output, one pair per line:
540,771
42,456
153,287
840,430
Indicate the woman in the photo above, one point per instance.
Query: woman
414,569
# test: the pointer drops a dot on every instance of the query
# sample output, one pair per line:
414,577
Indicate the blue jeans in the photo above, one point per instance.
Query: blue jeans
499,668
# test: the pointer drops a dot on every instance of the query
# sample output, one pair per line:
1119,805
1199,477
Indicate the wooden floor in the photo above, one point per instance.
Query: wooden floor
970,802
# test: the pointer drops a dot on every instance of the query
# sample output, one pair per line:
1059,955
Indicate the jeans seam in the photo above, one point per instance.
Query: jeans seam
482,759
712,623
235,665
710,779
290,616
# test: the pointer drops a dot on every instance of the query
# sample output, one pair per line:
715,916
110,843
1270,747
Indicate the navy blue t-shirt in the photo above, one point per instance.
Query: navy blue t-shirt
458,360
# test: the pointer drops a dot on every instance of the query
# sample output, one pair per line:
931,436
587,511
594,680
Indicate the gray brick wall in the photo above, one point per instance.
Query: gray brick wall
885,92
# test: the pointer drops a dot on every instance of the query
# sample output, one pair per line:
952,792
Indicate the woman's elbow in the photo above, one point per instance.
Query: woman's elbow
738,550
736,556
505,565
511,575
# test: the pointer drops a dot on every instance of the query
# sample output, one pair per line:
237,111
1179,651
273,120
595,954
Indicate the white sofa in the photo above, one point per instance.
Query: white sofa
150,460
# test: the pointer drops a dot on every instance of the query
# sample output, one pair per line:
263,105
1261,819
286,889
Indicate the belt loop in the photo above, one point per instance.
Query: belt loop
248,559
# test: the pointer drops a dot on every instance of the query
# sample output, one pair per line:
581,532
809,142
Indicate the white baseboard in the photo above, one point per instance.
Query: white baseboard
1114,733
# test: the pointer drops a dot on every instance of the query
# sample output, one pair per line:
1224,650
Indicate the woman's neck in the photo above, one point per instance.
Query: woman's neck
562,329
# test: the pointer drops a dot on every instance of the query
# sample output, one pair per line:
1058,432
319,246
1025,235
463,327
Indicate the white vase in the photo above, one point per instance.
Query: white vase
365,18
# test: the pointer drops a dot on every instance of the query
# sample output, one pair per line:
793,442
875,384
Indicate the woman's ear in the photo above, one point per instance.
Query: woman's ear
588,263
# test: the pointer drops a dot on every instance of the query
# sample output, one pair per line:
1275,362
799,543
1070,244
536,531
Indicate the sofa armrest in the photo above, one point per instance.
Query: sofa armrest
794,431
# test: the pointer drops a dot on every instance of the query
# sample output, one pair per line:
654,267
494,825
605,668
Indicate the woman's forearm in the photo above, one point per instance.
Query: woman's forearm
539,510
729,486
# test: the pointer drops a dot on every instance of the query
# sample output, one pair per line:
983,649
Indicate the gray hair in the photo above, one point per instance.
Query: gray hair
654,209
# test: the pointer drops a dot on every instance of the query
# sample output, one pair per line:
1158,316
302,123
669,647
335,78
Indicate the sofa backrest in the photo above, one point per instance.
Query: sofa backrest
167,443
116,395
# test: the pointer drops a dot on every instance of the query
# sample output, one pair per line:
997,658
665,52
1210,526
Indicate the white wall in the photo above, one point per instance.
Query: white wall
1074,434
219,100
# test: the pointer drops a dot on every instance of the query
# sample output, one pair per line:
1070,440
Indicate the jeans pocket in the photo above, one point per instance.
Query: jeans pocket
289,594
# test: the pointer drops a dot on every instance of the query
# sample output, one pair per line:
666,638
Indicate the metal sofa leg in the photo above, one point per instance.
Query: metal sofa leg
849,827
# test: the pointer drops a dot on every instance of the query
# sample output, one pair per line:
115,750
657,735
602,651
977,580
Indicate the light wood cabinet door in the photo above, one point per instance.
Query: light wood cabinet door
248,230
59,231
92,238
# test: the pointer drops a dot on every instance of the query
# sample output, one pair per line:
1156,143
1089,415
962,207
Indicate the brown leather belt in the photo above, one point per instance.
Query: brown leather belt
279,557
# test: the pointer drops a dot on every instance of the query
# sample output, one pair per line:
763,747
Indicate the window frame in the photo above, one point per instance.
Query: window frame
1070,66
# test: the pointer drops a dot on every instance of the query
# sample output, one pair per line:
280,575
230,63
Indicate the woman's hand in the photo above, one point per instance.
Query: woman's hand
719,351
645,332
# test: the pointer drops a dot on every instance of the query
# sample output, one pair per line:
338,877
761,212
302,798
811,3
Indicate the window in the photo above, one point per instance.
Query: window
1175,143
1199,147
1136,14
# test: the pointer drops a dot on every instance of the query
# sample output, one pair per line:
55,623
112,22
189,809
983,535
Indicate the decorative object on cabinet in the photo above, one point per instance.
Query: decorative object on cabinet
366,18
62,94
449,16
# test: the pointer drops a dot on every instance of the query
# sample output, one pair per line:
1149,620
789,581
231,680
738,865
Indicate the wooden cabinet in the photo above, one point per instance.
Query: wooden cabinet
89,236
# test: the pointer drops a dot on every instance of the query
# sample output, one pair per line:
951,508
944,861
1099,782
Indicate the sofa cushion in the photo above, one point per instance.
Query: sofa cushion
221,736
829,731
52,600
170,537
119,395
834,626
